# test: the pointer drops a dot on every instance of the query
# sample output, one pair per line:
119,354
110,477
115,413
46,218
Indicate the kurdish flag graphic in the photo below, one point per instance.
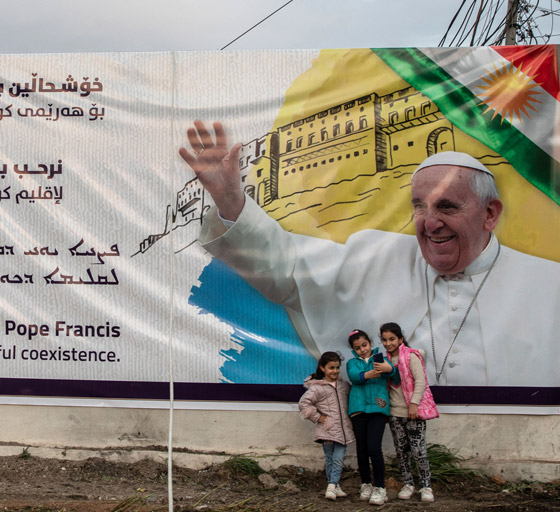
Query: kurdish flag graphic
505,97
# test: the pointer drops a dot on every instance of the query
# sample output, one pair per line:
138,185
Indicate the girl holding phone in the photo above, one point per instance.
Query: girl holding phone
368,408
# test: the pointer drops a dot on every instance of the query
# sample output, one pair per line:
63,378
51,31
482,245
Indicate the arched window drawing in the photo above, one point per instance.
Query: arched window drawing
349,126
393,117
410,113
441,139
289,145
324,135
299,142
363,122
336,129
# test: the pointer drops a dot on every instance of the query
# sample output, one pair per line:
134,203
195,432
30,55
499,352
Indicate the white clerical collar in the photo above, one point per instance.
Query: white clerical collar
485,259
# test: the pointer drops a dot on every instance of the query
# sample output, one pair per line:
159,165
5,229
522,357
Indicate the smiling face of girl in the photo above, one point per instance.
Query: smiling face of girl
331,371
391,342
362,347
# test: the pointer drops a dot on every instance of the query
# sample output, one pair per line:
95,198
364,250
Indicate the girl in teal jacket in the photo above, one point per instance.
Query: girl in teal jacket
368,408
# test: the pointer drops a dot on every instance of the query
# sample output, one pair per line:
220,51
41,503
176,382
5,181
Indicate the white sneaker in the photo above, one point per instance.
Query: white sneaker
365,491
406,492
330,493
426,495
378,496
339,492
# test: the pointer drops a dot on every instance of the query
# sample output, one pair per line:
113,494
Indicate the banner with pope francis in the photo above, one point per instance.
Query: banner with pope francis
121,280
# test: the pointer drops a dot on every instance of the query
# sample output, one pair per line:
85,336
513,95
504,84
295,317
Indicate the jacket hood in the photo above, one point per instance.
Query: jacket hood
310,381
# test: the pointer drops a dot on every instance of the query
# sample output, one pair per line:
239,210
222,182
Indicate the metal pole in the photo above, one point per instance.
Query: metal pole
511,22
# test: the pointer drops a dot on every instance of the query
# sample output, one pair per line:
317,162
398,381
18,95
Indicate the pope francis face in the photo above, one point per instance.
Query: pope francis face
452,226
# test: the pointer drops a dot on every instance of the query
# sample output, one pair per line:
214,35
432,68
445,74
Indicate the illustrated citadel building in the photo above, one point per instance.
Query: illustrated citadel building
365,135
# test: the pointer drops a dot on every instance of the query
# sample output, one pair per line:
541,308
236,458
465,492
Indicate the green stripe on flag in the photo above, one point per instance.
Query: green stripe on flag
466,111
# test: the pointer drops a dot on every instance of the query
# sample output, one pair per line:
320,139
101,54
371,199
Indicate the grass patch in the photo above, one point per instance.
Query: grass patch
25,454
243,465
444,465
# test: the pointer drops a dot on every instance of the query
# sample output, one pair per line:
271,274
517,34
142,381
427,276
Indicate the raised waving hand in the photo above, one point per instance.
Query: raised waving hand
216,167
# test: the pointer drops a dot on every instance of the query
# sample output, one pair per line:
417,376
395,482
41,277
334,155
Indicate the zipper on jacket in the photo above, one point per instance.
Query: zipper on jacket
340,414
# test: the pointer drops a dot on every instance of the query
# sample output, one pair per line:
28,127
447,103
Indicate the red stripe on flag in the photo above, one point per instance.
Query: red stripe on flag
538,61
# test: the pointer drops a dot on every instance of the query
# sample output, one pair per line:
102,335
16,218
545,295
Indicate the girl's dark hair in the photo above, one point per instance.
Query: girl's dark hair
355,334
326,357
393,328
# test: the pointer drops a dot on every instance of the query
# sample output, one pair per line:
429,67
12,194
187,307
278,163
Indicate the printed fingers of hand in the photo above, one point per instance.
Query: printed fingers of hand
205,155
216,168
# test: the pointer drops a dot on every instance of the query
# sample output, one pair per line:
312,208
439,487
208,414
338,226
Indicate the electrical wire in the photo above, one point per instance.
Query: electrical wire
465,33
488,22
477,21
256,25
465,17
462,28
551,20
441,43
488,27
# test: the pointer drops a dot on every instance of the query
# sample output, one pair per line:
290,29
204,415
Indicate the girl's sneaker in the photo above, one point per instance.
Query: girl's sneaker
406,492
378,496
426,495
365,491
339,492
330,494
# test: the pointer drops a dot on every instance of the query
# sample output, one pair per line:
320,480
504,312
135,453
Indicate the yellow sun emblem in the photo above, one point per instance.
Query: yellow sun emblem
509,91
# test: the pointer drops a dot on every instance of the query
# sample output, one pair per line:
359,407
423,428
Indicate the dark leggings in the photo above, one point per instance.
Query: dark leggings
368,429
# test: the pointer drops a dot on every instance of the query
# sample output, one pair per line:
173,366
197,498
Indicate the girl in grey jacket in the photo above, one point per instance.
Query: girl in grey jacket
325,403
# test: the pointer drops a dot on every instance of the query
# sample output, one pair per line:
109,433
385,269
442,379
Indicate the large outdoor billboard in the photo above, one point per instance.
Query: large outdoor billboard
106,288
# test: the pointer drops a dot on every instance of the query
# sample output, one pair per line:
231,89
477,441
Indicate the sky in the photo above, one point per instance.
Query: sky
53,26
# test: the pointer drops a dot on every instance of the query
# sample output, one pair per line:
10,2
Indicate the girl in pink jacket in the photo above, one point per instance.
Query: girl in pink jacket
325,403
412,404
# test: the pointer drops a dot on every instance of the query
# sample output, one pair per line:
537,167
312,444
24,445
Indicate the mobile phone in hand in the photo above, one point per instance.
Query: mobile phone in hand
378,358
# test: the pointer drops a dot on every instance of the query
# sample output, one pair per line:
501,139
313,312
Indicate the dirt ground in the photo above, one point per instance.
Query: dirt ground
33,484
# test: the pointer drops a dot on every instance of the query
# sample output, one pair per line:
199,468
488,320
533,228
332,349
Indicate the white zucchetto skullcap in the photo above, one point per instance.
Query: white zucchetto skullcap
453,158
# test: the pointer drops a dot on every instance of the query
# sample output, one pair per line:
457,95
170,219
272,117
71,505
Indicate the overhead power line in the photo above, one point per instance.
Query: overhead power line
496,22
256,25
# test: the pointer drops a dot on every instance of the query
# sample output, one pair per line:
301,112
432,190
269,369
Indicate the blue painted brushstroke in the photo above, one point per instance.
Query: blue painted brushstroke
272,352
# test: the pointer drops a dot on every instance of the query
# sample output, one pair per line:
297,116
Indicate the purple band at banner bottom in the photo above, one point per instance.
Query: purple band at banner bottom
100,389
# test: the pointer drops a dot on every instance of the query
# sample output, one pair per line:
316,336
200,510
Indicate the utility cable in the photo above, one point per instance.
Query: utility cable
463,29
256,25
552,14
477,22
490,17
442,42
